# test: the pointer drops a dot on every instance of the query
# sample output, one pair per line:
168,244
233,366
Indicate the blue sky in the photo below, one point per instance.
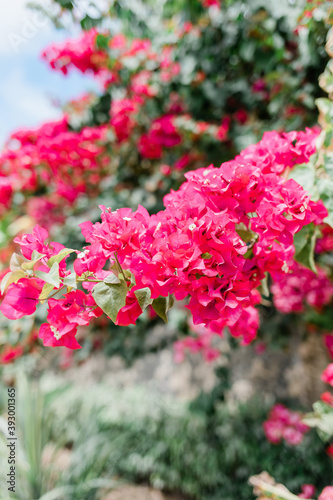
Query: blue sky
28,88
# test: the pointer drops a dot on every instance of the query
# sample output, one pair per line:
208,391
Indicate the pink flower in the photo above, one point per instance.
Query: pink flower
284,424
130,312
164,133
259,85
64,317
241,116
9,354
308,491
45,210
141,86
325,243
34,241
165,170
81,53
193,248
328,339
327,398
327,375
6,191
149,148
182,162
47,333
222,132
21,298
118,42
211,3
326,494
329,451
201,343
246,326
299,286
123,113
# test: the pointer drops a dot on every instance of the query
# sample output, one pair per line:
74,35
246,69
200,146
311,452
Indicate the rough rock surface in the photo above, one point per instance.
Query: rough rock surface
274,374
139,493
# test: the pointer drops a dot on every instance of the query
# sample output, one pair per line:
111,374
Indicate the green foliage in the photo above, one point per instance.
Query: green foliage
305,241
60,256
37,475
143,295
66,4
162,305
110,297
12,277
208,457
52,277
321,419
317,176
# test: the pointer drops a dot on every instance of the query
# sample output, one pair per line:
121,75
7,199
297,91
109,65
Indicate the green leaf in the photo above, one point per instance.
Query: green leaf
245,235
325,107
111,279
325,190
206,255
162,305
322,419
110,297
89,22
144,297
60,256
264,289
130,275
66,4
52,277
102,41
70,280
16,262
305,175
304,242
47,289
10,278
35,257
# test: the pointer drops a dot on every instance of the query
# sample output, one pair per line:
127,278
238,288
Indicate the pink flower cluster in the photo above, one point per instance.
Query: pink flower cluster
81,53
9,354
217,237
284,424
106,64
162,133
328,339
54,160
211,3
326,494
327,375
64,318
22,297
278,152
300,286
308,491
327,398
54,165
6,192
201,343
325,243
64,315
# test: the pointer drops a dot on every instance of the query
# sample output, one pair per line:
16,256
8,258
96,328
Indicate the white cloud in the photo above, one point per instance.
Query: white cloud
19,26
28,105
26,84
